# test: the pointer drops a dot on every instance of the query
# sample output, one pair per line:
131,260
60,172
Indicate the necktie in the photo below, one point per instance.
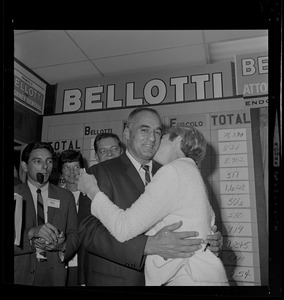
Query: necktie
40,220
40,211
147,174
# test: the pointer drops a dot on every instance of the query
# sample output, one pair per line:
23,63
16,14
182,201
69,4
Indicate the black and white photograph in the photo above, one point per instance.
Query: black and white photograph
144,157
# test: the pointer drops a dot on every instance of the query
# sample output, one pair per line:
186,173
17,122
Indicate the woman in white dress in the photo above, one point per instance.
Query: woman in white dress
176,193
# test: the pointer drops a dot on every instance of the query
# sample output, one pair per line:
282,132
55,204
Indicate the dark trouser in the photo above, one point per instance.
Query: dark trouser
72,276
43,276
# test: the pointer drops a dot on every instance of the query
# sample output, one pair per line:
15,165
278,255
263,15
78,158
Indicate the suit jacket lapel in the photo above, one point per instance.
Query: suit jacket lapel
156,167
132,173
30,207
51,210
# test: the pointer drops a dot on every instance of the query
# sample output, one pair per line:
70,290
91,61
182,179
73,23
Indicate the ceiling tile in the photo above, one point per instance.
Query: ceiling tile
105,43
183,56
50,53
60,73
46,48
221,35
224,51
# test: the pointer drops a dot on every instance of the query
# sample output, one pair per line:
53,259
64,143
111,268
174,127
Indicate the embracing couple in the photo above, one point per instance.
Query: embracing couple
144,218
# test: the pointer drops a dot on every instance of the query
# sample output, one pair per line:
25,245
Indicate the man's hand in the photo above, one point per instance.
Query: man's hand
59,246
215,240
46,231
56,246
170,244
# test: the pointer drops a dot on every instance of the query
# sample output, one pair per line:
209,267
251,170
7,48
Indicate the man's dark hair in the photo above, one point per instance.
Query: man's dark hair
138,110
33,146
105,135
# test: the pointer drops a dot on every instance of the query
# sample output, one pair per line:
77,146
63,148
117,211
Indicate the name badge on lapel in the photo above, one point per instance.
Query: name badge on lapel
53,203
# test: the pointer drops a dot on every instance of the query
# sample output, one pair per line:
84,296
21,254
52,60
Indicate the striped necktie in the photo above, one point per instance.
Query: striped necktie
40,210
147,174
40,221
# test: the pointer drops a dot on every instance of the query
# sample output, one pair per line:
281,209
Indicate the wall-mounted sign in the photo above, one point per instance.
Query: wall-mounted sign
153,88
229,169
252,75
29,90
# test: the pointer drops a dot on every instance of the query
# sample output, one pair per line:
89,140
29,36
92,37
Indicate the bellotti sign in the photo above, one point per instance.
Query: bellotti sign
153,88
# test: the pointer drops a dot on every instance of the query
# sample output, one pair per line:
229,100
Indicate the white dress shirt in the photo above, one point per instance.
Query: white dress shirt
138,167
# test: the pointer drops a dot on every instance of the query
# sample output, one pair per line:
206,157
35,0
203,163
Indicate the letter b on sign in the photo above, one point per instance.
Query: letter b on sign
72,100
248,66
251,66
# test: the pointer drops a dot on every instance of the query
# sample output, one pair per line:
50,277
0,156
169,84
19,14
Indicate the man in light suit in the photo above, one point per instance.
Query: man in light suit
41,257
108,261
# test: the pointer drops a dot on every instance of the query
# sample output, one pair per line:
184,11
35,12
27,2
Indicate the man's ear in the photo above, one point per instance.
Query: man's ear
24,166
126,133
96,156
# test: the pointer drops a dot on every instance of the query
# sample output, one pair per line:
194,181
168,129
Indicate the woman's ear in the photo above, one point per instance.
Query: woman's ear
177,142
178,139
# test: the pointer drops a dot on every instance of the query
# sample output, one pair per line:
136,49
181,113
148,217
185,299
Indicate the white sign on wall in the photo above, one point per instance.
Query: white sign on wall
29,90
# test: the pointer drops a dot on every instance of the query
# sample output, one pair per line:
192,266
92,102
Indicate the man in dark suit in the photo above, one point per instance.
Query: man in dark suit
48,240
108,261
107,145
17,181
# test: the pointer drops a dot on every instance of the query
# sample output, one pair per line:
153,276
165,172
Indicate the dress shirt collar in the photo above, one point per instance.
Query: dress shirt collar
34,189
137,164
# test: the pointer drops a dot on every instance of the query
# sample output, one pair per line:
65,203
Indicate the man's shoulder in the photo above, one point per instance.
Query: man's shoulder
156,166
60,190
92,168
17,181
23,187
113,163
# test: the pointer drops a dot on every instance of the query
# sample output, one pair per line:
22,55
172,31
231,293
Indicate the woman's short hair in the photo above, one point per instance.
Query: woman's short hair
193,144
68,156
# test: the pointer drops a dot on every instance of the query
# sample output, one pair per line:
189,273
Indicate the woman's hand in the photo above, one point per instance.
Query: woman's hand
87,184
